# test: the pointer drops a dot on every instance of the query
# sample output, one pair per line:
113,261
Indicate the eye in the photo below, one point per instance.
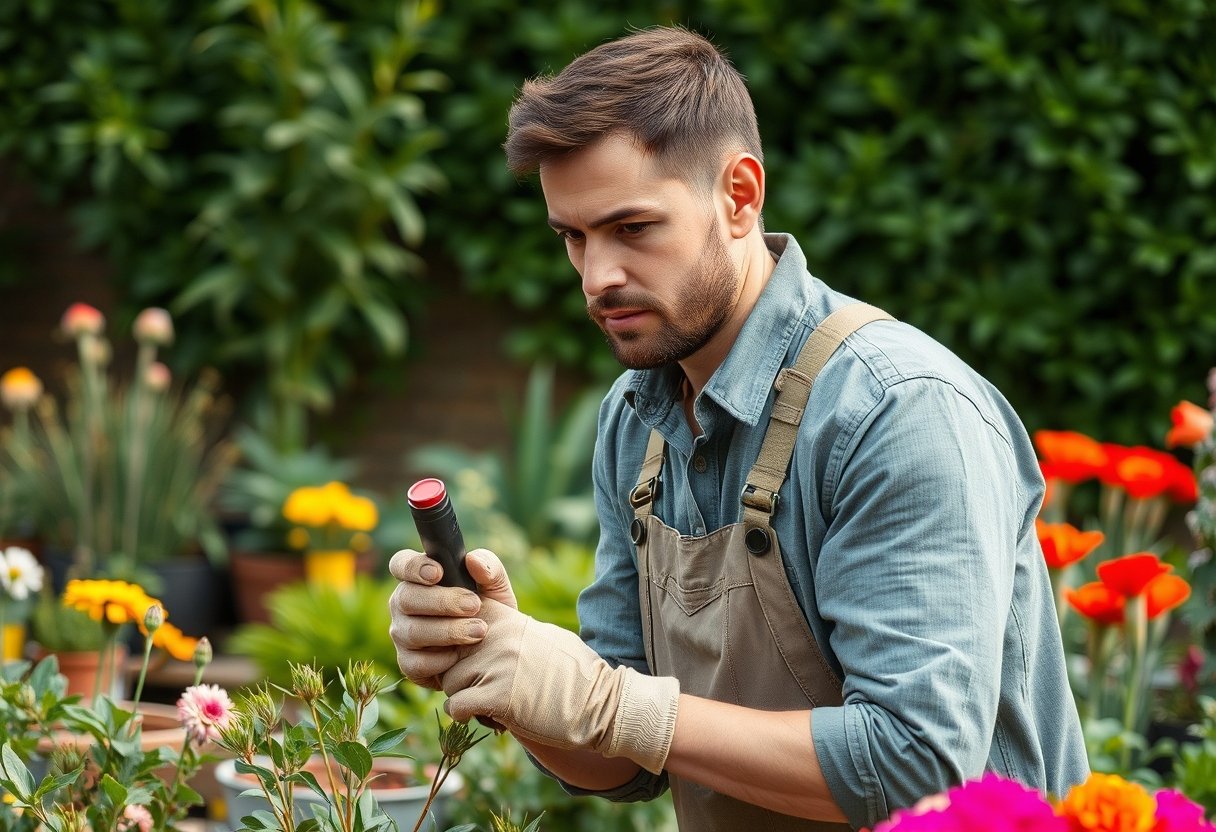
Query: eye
632,229
569,235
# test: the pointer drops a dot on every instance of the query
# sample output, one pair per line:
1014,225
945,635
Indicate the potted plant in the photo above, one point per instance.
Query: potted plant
330,524
329,769
68,765
252,497
123,473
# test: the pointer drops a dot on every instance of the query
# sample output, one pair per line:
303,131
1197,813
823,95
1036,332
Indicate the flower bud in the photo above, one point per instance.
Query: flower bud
202,653
153,618
237,736
27,700
307,682
20,388
95,350
362,682
66,758
260,705
82,319
158,377
154,326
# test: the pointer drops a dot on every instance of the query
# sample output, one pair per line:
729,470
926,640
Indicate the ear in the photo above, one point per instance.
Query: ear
743,191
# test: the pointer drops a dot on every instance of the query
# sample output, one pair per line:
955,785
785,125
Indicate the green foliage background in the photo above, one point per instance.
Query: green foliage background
1030,182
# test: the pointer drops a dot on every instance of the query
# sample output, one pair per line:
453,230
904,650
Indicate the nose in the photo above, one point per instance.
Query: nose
601,270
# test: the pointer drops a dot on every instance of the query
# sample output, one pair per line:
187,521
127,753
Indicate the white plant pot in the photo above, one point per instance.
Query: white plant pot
403,805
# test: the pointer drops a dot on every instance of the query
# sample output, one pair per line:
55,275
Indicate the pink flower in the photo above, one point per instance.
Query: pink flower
82,319
1177,813
1189,667
992,803
158,377
204,711
154,326
135,817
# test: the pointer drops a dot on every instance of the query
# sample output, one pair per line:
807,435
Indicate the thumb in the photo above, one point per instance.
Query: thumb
465,704
491,577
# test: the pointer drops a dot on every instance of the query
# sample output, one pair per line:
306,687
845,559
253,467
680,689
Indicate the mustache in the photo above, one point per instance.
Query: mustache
621,299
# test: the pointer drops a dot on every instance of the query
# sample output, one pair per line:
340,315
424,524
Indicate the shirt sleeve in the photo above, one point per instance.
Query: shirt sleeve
609,610
914,581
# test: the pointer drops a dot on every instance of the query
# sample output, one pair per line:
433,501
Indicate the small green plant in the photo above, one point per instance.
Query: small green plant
1195,765
277,751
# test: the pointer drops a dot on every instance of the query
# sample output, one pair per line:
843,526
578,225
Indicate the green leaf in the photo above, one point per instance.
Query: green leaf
17,777
387,741
116,791
354,756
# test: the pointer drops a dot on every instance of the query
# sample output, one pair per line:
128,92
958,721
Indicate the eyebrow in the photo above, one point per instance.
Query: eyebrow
615,216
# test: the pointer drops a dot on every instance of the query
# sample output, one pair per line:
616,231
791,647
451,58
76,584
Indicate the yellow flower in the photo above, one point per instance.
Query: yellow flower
357,514
308,506
174,642
115,602
297,538
20,388
360,542
1108,803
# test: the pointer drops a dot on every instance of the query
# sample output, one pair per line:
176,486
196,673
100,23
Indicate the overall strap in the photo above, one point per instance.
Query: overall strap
793,386
644,493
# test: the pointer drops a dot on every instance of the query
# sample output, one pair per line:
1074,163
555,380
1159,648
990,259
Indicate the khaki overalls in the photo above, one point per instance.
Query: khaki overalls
717,610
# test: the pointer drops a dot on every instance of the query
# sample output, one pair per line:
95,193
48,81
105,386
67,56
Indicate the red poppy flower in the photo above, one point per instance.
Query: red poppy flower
1063,543
1098,602
1164,593
1191,425
1142,472
1183,487
1130,574
1068,455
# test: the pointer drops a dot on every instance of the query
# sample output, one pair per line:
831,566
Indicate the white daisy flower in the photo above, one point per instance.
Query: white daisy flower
20,573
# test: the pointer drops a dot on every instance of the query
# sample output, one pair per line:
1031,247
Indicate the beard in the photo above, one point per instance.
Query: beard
702,307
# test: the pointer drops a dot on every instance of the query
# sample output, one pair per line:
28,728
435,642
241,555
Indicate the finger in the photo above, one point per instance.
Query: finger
491,576
415,567
420,600
426,667
463,705
423,632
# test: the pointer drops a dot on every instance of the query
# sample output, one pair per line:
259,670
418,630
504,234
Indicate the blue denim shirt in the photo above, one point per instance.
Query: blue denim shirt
907,528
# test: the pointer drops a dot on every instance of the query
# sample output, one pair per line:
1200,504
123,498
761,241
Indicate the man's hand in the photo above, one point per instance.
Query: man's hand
544,684
431,623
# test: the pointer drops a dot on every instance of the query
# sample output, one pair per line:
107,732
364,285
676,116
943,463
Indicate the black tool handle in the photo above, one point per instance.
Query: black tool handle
435,519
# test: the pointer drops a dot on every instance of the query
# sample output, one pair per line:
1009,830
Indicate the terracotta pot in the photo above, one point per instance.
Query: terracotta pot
82,669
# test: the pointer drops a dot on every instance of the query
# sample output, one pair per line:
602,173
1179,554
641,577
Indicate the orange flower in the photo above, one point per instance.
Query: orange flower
1068,455
1183,487
1130,574
1164,593
1063,543
1108,803
1191,425
1098,602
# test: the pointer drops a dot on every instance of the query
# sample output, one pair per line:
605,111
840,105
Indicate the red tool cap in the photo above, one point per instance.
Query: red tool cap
426,493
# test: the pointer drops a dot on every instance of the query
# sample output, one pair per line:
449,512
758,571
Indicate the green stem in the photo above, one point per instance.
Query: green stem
333,785
143,668
137,451
1137,637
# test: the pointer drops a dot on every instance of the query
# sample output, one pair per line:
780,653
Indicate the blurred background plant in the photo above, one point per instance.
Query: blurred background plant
122,474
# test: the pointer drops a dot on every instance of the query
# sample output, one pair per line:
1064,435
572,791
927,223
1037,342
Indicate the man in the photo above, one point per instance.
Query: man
819,595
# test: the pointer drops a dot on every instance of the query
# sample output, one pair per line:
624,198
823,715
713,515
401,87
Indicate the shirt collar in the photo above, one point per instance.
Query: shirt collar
742,383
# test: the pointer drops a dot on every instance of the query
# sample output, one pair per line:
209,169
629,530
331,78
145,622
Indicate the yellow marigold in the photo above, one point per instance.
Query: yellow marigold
116,602
357,514
174,642
308,506
298,538
20,388
1108,803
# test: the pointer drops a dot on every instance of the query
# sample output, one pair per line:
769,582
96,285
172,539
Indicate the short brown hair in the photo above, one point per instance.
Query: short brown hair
669,88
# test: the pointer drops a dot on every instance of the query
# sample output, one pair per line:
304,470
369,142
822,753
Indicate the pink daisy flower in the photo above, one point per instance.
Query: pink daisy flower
135,818
204,711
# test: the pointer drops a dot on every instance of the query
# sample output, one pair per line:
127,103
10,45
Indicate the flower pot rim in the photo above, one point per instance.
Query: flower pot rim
227,775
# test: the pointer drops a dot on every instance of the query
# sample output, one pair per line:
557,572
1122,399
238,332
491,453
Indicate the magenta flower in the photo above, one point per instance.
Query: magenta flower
135,817
204,711
992,803
1177,813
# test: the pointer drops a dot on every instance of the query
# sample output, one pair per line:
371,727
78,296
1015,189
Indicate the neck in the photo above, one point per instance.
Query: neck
755,268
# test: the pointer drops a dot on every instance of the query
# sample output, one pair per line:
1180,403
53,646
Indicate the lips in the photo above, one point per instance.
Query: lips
622,318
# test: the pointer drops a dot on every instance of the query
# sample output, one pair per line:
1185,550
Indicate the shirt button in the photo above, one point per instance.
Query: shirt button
698,462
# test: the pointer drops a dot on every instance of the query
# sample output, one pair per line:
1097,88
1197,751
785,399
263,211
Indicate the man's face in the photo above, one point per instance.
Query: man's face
657,275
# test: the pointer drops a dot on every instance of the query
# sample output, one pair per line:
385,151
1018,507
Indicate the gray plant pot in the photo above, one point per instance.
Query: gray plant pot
403,805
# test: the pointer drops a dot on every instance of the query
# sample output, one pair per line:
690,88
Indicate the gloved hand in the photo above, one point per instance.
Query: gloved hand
544,684
429,623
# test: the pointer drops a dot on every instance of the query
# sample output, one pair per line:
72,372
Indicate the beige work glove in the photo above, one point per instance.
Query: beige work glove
544,684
